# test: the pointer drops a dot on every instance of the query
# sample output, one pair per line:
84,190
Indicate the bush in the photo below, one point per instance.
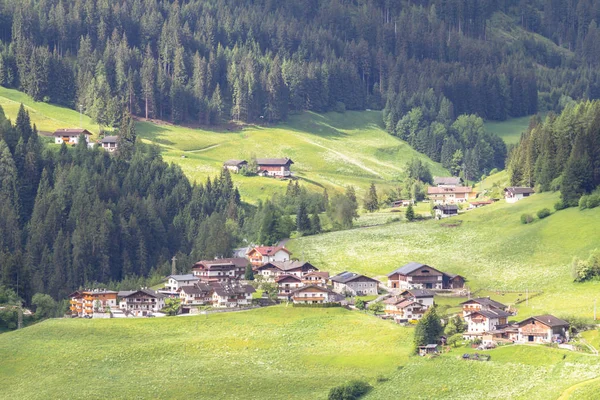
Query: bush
543,213
583,202
593,200
559,205
526,219
339,107
352,390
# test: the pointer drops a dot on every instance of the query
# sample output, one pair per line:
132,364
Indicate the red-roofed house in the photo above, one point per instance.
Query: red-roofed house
261,255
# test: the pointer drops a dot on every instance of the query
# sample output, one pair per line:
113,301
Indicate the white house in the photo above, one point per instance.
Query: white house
313,294
514,194
421,296
543,329
404,310
480,322
445,211
235,165
198,294
287,284
141,303
71,136
174,282
273,269
220,270
109,143
230,295
354,284
261,255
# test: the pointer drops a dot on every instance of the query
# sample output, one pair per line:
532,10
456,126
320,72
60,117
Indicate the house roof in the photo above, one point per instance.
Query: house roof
235,163
491,314
109,139
446,180
282,278
274,162
239,262
409,268
198,288
419,293
485,301
287,265
401,302
320,274
148,292
448,190
346,277
453,276
319,288
519,190
547,319
268,250
186,277
444,208
71,132
228,289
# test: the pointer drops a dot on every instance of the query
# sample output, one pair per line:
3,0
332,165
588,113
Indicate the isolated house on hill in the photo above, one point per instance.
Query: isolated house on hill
543,329
445,211
446,181
235,165
71,136
416,276
514,194
109,143
275,167
220,270
261,255
355,284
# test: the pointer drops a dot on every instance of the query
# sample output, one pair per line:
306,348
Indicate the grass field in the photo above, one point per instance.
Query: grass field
491,248
509,130
276,352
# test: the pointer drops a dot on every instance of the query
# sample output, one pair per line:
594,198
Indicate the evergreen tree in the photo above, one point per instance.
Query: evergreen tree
315,224
429,329
371,203
302,219
410,213
127,138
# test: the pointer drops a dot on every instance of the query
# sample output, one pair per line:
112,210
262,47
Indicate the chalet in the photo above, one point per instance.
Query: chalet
450,195
263,254
109,143
428,349
416,276
481,303
231,295
71,136
514,194
404,310
402,203
235,165
543,329
174,282
446,181
313,294
445,211
141,303
482,321
87,302
319,278
273,269
287,284
195,295
453,281
421,296
220,270
350,283
501,333
275,167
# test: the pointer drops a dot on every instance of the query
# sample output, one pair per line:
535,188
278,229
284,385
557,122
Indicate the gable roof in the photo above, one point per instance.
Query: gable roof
109,139
419,293
287,265
282,278
409,268
268,250
198,288
71,132
445,208
445,190
239,262
345,277
519,190
491,314
320,274
186,277
485,301
235,163
319,288
446,180
547,319
147,292
274,162
229,289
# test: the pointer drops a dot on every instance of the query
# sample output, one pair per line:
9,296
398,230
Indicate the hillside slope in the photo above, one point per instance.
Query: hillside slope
491,248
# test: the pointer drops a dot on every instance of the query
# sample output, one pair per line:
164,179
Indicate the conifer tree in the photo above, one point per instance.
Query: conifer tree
302,219
371,203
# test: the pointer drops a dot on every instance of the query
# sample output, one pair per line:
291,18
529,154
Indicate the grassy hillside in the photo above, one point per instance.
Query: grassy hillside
491,248
278,352
510,130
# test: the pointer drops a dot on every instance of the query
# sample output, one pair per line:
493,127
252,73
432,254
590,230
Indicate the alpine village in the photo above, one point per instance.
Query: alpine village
324,199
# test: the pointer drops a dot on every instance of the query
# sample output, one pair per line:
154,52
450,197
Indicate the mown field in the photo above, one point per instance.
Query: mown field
277,352
490,247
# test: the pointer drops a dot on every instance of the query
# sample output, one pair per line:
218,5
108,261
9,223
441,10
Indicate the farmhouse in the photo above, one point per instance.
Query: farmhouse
235,165
402,203
109,143
174,282
287,284
275,167
261,255
416,276
514,194
450,195
231,295
453,281
71,136
354,284
404,310
220,270
421,296
273,269
446,181
87,302
445,211
543,329
482,321
141,303
313,294
197,294
319,278
481,303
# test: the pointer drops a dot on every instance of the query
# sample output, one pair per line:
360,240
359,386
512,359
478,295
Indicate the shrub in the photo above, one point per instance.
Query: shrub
352,390
543,213
593,200
559,205
526,219
339,107
583,202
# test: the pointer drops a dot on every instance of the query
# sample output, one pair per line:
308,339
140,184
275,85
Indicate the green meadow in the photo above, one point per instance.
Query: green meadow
275,352
489,246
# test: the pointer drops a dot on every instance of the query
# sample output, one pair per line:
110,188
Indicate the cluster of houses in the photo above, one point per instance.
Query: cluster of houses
101,303
71,137
272,167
